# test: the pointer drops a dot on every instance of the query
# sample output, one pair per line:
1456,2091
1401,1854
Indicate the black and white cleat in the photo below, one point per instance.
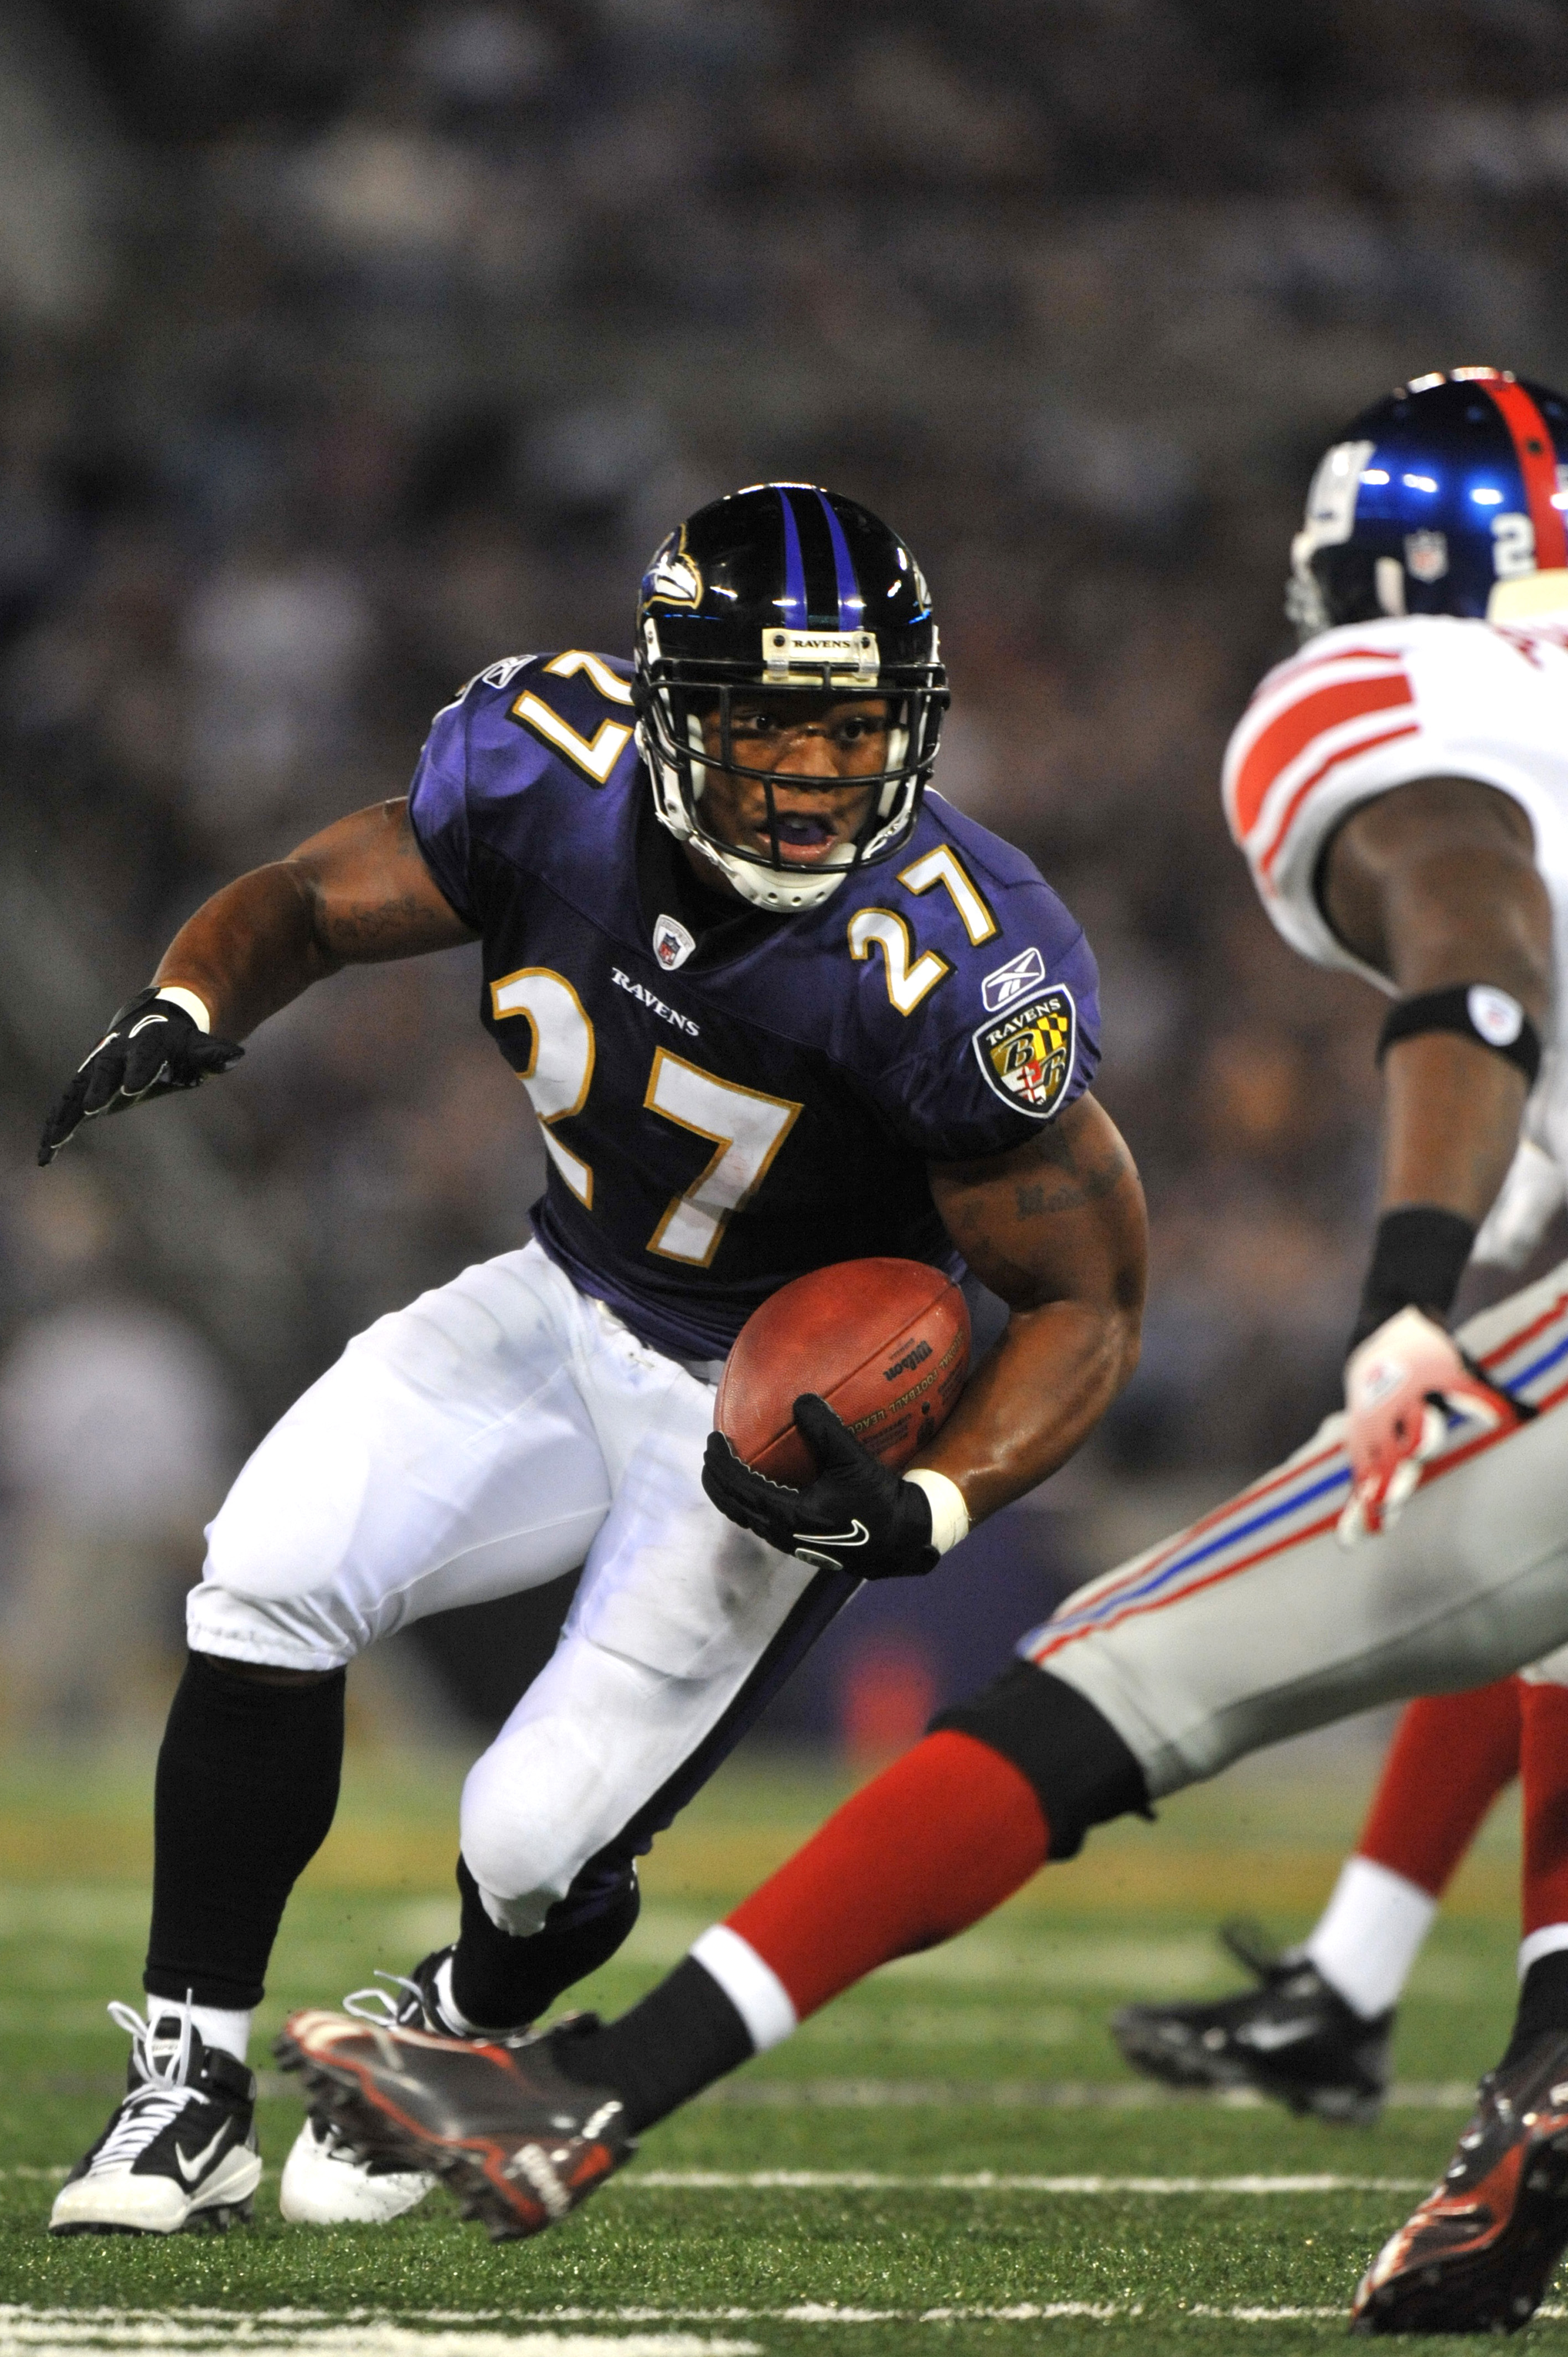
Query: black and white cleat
1293,2038
179,2153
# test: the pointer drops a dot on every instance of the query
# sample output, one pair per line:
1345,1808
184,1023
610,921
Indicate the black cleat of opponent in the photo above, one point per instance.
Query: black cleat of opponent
515,2141
1478,2253
1293,2038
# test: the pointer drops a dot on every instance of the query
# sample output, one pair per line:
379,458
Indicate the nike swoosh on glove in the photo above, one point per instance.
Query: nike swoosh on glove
1402,1385
151,1047
855,1517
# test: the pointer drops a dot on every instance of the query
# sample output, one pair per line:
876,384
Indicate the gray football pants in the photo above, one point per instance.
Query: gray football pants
1255,1624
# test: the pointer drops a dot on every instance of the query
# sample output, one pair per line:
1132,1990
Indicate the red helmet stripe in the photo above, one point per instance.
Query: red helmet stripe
1537,457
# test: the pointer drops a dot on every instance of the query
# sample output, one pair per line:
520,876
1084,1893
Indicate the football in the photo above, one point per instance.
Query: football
885,1342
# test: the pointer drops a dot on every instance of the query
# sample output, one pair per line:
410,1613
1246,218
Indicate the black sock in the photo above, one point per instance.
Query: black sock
247,1785
1543,2003
684,2034
502,1981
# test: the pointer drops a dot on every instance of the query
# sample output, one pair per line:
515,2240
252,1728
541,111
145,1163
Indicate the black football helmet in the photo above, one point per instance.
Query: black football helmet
1447,498
786,587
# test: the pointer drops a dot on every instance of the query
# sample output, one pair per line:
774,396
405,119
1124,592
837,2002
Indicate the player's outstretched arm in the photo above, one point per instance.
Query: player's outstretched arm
1435,884
1057,1228
357,893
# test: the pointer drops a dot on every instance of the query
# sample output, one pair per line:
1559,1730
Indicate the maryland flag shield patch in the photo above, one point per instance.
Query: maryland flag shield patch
1026,1054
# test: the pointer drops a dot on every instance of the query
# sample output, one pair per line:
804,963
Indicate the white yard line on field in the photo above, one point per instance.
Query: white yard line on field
64,2332
361,2332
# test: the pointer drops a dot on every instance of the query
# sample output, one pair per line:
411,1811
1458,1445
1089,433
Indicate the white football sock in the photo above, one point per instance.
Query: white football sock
453,2018
1369,1935
214,2024
1547,1941
752,1987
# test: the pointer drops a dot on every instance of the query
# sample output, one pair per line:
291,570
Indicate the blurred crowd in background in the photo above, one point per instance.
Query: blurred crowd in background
346,345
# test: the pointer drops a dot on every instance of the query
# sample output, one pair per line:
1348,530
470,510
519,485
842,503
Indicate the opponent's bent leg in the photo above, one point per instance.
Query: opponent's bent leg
1451,1756
936,1842
1315,2030
1544,1777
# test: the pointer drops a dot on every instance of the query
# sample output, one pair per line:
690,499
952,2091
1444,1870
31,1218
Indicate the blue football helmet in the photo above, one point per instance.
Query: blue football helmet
798,591
1447,498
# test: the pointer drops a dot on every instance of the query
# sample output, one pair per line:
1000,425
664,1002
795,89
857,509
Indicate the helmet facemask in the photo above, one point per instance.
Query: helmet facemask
674,746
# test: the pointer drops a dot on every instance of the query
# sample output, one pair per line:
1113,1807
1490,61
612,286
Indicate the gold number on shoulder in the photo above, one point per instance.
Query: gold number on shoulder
611,686
944,866
597,755
884,930
560,1067
744,1129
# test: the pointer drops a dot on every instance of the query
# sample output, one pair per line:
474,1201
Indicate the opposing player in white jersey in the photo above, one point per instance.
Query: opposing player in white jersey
1410,511
1361,716
1401,791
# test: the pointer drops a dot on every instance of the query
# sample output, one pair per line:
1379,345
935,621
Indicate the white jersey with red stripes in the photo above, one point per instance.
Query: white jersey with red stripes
1373,706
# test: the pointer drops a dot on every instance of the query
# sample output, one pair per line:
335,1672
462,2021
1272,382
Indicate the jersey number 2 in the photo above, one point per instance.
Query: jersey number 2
745,1127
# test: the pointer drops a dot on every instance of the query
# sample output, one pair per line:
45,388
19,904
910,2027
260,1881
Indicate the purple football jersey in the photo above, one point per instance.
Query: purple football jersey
731,1099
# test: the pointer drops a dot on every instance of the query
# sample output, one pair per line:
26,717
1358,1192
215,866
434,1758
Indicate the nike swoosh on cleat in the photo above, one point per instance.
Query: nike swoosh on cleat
190,2167
857,1535
1266,2035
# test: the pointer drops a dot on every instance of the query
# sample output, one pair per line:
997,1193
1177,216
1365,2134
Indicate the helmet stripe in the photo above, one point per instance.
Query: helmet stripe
851,605
799,614
1537,456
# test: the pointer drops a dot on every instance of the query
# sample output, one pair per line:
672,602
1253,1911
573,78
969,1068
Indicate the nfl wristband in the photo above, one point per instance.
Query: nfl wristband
949,1515
1476,1010
1417,1261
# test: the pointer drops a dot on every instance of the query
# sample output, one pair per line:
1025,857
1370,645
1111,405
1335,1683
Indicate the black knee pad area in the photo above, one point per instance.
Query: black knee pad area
1078,1765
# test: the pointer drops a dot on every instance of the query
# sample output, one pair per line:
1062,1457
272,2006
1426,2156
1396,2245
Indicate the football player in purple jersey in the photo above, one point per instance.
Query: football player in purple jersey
1400,788
775,1006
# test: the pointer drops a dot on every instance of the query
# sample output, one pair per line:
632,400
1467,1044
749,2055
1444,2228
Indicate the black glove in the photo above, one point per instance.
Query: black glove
148,1049
856,1516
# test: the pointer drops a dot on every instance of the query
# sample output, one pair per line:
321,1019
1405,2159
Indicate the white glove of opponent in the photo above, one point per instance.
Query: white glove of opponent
1398,1383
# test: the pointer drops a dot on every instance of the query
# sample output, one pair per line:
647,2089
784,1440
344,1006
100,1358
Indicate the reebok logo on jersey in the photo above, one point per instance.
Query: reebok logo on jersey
657,1006
1005,983
1026,1055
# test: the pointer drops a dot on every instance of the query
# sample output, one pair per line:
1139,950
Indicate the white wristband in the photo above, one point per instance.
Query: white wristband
949,1515
188,1004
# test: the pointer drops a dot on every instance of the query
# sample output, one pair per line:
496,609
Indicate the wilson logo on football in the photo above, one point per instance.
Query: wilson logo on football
1026,1055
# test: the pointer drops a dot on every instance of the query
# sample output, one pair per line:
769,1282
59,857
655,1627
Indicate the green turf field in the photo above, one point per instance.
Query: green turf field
1085,2214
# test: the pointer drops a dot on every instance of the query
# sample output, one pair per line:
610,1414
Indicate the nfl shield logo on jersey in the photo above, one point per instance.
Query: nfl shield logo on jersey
672,944
1026,1055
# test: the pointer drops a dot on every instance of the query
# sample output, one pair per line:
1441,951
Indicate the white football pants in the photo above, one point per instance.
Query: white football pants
488,1438
1255,1623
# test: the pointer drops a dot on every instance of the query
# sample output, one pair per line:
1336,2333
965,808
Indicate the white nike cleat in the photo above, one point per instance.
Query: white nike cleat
179,2153
325,2185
